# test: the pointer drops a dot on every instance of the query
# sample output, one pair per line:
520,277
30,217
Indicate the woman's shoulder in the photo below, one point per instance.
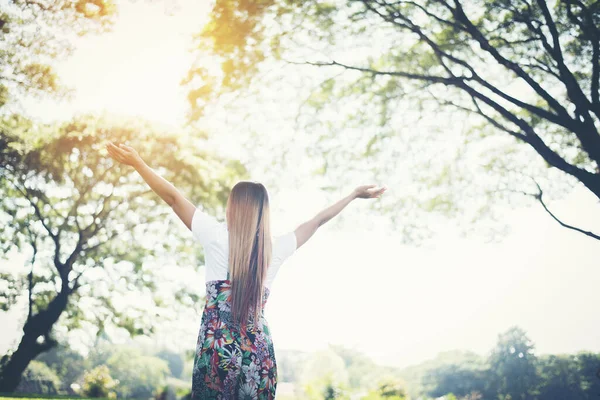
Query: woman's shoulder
284,244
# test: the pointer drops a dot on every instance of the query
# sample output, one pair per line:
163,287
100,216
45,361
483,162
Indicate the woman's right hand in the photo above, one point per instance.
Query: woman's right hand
368,192
124,154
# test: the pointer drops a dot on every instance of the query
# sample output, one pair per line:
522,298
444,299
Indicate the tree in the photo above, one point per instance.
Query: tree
35,33
513,366
67,363
323,362
362,371
560,378
99,383
458,379
572,376
139,375
38,378
289,364
424,379
528,71
324,375
92,227
389,388
513,372
174,360
589,373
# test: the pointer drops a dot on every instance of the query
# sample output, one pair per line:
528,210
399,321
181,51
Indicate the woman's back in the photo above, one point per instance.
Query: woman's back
232,362
213,236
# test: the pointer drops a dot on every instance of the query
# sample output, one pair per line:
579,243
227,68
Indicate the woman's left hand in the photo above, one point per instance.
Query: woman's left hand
124,154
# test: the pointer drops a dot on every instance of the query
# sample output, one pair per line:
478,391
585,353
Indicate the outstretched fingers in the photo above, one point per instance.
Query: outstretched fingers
379,192
115,152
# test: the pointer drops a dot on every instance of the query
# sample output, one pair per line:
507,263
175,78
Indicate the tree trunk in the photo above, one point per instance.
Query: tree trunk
38,325
28,350
592,182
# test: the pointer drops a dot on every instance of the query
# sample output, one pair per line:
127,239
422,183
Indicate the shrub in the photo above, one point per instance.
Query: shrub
174,360
99,383
139,375
38,378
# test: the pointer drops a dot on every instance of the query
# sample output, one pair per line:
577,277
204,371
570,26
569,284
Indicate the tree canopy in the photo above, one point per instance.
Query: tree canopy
92,228
34,35
523,76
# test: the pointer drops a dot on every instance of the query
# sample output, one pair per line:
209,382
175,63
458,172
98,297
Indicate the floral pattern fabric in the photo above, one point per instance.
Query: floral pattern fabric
230,362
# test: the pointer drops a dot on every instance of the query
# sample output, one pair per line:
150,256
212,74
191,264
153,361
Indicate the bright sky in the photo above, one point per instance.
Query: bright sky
361,287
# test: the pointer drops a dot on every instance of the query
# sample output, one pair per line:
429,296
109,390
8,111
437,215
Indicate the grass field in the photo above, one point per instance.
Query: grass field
85,398
37,397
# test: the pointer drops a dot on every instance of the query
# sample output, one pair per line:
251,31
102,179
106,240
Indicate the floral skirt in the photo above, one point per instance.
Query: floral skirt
232,363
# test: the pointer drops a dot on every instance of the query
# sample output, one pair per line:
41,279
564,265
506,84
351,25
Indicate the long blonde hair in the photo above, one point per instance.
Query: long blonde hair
250,248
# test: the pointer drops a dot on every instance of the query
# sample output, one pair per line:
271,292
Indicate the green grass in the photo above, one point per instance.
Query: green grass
42,397
58,397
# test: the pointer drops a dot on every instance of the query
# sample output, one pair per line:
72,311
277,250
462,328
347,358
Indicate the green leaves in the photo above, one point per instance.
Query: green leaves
37,33
94,228
385,87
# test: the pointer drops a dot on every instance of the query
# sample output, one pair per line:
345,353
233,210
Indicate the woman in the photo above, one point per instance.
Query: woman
234,355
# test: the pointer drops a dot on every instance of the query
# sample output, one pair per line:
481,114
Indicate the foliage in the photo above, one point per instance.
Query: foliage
573,376
324,369
92,227
174,360
458,379
388,389
166,393
459,375
459,103
423,378
362,371
67,363
153,377
513,371
40,379
35,34
99,383
326,387
513,365
289,365
181,387
139,375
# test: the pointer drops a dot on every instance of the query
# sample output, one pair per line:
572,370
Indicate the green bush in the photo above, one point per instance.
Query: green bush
38,378
388,388
99,383
139,375
181,386
174,360
166,393
67,363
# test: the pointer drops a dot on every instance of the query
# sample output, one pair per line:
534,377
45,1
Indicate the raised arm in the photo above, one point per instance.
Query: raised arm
307,229
165,189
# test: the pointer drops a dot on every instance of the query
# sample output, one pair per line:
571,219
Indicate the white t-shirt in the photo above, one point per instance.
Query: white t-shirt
214,237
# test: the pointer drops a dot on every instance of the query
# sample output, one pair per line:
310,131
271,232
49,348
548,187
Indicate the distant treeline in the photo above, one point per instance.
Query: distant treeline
511,370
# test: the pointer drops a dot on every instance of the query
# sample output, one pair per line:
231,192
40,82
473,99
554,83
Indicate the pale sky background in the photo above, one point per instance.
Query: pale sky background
361,287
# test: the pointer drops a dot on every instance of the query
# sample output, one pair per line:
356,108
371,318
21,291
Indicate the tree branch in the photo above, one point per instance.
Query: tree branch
592,33
590,180
575,92
563,121
33,242
476,34
539,195
55,237
421,77
83,192
529,136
